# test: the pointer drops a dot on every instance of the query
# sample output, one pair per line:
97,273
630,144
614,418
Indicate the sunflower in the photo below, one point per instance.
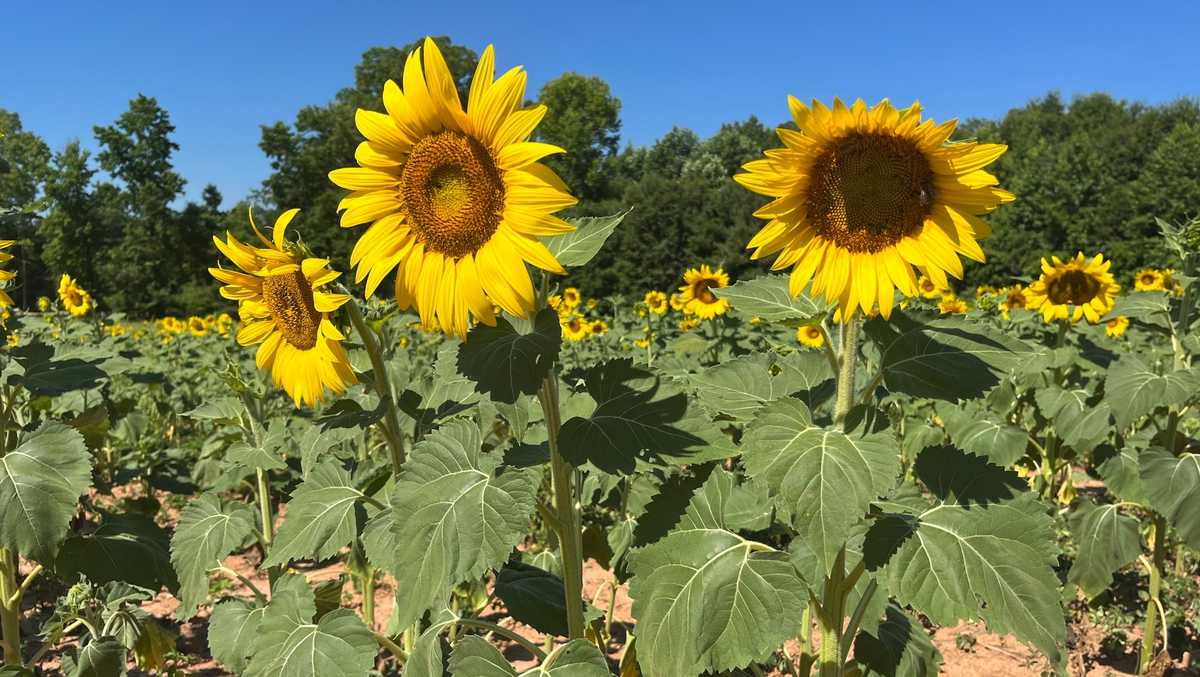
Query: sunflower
696,292
864,195
677,303
13,339
456,198
985,290
571,298
656,302
929,289
74,298
593,303
1116,326
43,304
574,328
223,323
197,326
598,327
283,308
1150,279
688,324
811,336
952,305
6,275
1073,289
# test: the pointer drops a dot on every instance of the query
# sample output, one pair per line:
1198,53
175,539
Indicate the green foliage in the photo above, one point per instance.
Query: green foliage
210,528
41,480
1107,541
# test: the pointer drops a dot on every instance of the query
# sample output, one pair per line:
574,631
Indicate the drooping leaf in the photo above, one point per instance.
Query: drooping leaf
983,549
767,297
534,597
900,648
1149,308
232,631
320,518
130,548
945,359
708,599
504,363
1134,389
1172,486
825,477
209,529
576,248
466,514
985,435
45,373
1107,541
223,410
40,484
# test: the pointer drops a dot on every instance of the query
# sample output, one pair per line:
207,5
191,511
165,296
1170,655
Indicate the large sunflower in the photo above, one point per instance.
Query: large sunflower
75,299
456,198
1073,289
284,309
696,292
6,275
862,196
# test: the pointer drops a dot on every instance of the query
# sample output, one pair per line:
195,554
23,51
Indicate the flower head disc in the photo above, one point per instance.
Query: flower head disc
863,196
1073,289
456,197
285,311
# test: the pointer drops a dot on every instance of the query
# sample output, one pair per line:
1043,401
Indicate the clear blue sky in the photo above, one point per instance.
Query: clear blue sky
222,69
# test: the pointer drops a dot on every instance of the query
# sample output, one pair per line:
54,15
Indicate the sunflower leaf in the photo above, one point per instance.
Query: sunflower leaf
209,529
232,631
576,248
504,363
768,297
321,517
985,435
1107,541
740,387
1172,485
1134,389
40,484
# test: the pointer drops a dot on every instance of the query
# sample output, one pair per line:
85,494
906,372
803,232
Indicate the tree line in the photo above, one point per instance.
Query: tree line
1090,174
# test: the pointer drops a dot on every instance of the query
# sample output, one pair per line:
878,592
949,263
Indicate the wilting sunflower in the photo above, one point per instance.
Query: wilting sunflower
1014,297
1116,326
1073,289
74,298
810,336
696,292
1150,279
6,275
574,328
952,305
864,195
656,302
456,198
284,309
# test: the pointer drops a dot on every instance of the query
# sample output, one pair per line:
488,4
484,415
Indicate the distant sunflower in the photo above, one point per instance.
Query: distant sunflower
688,324
696,292
284,309
677,303
6,275
1150,279
598,327
952,305
929,289
457,198
1116,326
571,297
43,304
1014,297
197,326
811,336
574,328
1073,289
862,196
656,302
74,298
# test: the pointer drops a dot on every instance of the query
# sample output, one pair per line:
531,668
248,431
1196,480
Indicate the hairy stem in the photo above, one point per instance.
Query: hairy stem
846,371
830,618
569,537
390,426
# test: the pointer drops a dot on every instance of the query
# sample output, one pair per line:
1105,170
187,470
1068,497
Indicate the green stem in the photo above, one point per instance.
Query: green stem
830,618
390,426
368,593
504,632
268,521
1153,603
569,537
10,608
827,347
391,646
846,372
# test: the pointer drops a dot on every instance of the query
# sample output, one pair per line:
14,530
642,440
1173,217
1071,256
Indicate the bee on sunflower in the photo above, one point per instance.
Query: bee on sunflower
456,198
810,336
862,196
74,298
285,310
696,293
1073,289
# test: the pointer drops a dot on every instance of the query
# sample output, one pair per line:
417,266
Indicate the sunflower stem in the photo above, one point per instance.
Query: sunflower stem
569,537
846,371
1153,603
390,426
10,608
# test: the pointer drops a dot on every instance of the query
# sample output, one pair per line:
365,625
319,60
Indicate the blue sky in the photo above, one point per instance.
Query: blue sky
222,69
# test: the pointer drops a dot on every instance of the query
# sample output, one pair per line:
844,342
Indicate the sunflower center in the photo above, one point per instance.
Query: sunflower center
867,191
701,291
452,191
290,300
1073,287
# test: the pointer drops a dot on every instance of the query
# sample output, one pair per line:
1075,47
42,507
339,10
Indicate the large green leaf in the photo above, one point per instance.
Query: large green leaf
290,644
1172,486
708,599
826,478
45,373
209,529
466,515
1152,308
739,387
40,484
505,363
1107,541
1134,389
1081,422
254,456
636,416
1120,471
985,435
946,359
576,248
768,297
130,548
900,648
232,632
534,597
984,548
473,656
321,517
103,657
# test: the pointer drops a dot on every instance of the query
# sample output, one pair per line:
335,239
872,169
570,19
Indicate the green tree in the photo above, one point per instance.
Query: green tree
583,117
72,235
24,168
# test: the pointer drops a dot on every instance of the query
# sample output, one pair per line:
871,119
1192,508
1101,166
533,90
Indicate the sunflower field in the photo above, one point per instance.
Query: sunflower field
442,457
